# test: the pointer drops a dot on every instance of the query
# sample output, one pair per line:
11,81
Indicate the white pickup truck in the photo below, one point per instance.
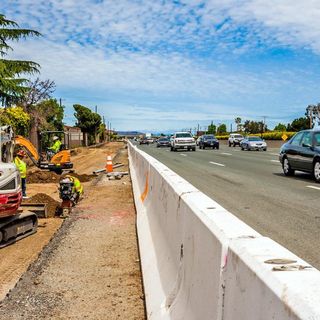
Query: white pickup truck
183,140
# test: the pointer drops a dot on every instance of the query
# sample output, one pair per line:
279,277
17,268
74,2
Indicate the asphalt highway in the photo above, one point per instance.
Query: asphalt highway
251,185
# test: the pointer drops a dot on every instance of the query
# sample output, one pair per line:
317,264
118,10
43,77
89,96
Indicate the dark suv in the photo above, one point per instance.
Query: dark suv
302,153
208,140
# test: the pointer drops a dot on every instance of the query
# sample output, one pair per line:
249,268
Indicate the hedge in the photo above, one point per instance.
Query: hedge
272,135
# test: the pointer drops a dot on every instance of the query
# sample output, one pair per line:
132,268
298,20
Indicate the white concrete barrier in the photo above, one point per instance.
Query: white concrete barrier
201,262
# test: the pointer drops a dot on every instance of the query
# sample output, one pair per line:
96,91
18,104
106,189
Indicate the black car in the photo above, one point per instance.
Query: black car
302,153
208,140
163,142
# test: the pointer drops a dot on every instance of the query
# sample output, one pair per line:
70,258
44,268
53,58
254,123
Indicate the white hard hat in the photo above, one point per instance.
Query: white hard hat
55,138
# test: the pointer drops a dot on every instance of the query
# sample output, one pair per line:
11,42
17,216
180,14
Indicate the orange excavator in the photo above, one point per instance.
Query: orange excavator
43,159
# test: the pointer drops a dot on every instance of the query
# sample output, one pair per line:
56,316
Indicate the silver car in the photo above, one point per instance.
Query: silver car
253,143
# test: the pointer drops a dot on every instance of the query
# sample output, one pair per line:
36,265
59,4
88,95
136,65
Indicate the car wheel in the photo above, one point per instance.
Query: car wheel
242,148
171,148
316,171
203,147
287,170
194,149
234,144
265,149
229,144
217,147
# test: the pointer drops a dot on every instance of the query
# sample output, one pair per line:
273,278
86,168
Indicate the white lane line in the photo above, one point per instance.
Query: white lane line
182,154
274,154
217,164
313,187
275,161
226,153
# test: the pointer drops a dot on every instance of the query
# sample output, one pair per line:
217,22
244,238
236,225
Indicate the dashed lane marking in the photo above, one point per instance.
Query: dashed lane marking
275,161
182,154
217,164
313,187
226,153
274,154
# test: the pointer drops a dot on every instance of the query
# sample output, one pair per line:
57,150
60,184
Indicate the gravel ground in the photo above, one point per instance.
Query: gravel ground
91,269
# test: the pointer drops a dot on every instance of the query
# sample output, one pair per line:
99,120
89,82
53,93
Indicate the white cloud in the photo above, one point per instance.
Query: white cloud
131,52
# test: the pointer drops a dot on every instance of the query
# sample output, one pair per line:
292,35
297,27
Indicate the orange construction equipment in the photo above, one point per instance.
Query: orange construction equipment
109,166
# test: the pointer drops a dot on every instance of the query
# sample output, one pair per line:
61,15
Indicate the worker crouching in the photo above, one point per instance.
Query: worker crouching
70,191
22,167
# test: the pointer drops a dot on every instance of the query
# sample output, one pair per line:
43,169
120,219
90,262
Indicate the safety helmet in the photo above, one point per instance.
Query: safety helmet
67,177
55,138
21,153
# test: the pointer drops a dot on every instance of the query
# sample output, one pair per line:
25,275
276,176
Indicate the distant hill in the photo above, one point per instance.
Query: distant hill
129,133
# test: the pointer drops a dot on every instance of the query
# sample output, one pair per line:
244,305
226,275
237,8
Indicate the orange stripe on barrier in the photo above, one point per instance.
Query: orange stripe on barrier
146,188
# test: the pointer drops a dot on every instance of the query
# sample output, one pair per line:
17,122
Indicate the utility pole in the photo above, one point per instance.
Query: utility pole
264,123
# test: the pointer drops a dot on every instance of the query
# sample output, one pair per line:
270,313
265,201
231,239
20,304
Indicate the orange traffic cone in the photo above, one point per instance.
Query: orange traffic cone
109,167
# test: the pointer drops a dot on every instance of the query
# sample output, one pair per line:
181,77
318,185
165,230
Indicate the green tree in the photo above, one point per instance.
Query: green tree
12,86
212,128
17,118
48,114
222,129
280,127
299,124
88,121
254,126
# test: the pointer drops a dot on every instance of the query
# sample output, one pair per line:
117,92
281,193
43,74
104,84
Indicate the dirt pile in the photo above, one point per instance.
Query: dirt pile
42,177
52,205
52,177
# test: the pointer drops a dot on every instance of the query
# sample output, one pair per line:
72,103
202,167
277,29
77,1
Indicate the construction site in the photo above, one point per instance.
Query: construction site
67,259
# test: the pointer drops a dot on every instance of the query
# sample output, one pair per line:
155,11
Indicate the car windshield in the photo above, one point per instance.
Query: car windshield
164,139
254,139
317,139
211,136
183,135
237,136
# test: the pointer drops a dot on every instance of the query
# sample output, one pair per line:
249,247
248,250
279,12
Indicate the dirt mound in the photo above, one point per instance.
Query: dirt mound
52,177
52,205
42,177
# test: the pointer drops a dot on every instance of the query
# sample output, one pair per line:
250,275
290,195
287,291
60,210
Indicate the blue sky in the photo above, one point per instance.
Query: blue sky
167,65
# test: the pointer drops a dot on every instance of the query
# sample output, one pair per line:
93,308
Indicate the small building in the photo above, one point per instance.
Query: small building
76,137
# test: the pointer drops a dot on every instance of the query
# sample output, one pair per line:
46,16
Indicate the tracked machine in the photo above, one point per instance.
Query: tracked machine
42,158
15,224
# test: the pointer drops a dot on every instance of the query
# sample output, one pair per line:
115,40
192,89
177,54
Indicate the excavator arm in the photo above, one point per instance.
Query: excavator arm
29,148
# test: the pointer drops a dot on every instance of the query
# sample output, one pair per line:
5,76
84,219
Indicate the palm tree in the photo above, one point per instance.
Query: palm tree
238,122
12,85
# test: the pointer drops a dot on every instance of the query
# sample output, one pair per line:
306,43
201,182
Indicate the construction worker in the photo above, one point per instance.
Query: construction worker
56,145
22,167
77,187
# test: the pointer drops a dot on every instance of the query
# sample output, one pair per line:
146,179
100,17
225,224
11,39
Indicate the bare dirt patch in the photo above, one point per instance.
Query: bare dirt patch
38,176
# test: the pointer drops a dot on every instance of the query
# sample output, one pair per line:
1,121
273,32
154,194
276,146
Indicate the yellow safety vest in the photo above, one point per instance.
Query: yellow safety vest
77,185
56,146
22,167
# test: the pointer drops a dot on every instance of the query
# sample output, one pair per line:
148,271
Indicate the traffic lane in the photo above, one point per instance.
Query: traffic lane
279,207
246,163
